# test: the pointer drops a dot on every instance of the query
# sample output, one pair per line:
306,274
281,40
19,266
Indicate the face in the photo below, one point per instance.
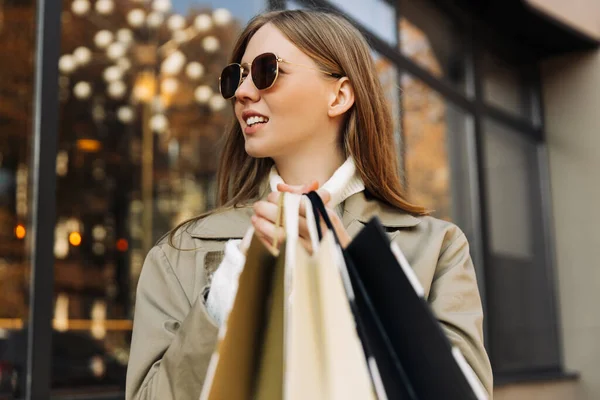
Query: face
295,106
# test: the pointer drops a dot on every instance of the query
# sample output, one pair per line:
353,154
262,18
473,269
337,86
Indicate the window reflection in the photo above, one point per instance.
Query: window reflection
426,159
428,38
140,131
17,47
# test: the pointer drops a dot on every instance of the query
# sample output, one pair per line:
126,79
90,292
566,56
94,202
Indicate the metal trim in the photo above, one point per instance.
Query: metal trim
45,139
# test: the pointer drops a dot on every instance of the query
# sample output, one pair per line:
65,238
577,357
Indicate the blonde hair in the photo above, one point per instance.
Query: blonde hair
336,46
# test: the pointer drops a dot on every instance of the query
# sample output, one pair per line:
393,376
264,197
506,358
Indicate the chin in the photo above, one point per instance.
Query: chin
256,150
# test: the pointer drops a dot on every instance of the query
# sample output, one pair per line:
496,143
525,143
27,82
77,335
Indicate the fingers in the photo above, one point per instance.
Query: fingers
266,230
298,189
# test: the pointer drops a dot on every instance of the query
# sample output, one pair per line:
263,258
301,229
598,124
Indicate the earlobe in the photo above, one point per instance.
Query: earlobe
342,98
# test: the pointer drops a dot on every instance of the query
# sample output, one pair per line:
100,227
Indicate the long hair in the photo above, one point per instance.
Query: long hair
337,46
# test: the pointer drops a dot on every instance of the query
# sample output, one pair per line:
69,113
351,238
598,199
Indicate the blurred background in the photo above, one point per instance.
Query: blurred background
495,107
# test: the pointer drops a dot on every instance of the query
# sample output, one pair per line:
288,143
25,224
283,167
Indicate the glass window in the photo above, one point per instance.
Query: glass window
141,120
429,125
520,292
389,78
504,85
17,52
432,40
375,15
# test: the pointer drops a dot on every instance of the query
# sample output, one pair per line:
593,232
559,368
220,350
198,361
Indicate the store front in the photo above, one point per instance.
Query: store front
113,106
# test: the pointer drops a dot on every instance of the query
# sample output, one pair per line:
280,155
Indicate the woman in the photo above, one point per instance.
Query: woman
309,110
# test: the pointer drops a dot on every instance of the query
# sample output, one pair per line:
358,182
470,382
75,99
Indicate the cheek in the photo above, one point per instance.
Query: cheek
301,106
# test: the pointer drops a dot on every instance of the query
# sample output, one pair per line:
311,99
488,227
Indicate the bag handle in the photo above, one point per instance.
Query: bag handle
320,211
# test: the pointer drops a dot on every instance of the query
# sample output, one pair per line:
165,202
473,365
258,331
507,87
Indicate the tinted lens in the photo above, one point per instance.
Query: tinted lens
230,80
264,70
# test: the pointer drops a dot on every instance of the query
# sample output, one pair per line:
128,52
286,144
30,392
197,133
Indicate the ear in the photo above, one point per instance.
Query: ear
342,97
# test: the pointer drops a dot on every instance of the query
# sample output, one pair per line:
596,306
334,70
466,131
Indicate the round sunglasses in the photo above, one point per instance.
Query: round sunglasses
264,70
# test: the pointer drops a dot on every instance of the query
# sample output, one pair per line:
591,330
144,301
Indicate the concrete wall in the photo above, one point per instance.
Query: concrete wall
572,106
582,15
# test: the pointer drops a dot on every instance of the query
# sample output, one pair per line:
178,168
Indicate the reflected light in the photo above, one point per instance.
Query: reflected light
122,245
173,63
112,73
125,36
162,6
82,55
80,7
20,231
155,19
61,312
117,89
75,238
222,16
145,87
203,23
169,85
136,18
82,90
194,70
159,123
203,94
176,22
105,7
89,145
125,114
116,50
103,38
67,64
210,44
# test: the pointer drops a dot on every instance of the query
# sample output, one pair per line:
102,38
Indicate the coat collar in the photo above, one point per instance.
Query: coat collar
233,223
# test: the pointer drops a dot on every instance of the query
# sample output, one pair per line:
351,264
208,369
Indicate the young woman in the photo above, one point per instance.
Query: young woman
309,112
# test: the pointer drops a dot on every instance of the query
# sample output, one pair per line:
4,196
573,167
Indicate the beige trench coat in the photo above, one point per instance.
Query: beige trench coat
174,336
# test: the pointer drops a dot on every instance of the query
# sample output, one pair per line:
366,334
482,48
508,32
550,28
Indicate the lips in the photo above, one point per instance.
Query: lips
254,121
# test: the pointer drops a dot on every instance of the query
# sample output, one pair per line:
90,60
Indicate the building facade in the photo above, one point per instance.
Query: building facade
110,128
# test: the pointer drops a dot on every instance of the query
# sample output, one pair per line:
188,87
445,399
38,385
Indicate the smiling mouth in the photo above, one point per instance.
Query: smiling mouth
255,120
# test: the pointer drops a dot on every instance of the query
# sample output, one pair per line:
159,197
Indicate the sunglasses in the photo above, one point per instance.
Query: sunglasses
264,70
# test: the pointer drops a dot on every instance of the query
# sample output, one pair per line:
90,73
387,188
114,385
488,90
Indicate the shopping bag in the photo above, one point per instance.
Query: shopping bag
390,295
416,335
232,371
322,354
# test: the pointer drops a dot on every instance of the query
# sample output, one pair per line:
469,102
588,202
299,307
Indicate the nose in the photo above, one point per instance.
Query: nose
247,91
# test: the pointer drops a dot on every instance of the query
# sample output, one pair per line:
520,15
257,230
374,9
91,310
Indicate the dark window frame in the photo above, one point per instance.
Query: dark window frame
530,126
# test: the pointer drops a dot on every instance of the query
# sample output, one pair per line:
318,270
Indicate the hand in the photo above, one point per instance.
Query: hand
266,213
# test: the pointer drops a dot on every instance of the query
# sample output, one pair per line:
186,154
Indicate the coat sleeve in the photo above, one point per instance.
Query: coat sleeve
172,340
454,298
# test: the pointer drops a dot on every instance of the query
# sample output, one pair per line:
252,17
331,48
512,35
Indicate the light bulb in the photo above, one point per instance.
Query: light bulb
117,89
222,16
203,23
103,38
125,114
163,6
203,94
80,7
82,55
82,90
173,63
112,73
159,123
217,103
155,19
125,36
116,50
210,44
194,70
136,17
176,22
169,85
67,64
124,64
105,7
99,232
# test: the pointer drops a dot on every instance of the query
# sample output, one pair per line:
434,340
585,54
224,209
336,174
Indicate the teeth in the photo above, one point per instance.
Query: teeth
255,119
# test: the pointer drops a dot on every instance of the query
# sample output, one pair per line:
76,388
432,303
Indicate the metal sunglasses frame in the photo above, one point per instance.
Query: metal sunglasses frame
248,67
